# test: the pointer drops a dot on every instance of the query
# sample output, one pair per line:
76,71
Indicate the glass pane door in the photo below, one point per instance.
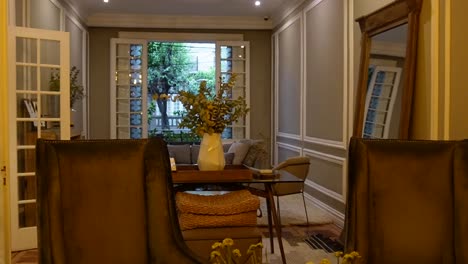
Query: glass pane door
233,58
128,89
381,97
39,108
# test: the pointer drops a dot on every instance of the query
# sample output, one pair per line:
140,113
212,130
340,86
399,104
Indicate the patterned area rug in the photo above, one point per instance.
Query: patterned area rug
292,212
296,249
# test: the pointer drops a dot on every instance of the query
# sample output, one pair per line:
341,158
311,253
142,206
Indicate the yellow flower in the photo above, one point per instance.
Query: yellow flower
236,253
253,247
324,261
209,112
228,242
217,245
310,262
214,255
338,254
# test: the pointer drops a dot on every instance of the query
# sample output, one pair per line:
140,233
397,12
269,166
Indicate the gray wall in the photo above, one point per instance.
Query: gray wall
312,67
99,67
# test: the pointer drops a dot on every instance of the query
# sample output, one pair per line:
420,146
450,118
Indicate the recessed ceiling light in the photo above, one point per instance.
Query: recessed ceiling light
106,1
257,3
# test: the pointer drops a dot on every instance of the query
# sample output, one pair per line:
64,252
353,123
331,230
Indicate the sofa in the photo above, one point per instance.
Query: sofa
408,201
249,152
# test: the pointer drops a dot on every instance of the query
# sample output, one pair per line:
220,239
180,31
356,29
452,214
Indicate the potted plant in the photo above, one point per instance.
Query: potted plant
76,89
207,114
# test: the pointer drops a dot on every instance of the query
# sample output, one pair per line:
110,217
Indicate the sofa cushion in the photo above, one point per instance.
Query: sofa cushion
255,152
195,152
228,158
181,153
240,150
226,147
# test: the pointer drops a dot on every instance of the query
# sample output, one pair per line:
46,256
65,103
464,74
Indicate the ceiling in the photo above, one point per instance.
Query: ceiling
93,10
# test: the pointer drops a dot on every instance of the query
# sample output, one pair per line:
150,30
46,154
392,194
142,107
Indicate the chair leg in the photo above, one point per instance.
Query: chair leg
305,208
278,212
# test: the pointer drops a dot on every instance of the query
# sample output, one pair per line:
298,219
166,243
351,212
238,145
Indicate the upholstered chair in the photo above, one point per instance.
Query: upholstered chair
107,201
407,201
299,167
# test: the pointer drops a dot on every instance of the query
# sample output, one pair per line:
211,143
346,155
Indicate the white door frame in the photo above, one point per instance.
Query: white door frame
26,237
4,205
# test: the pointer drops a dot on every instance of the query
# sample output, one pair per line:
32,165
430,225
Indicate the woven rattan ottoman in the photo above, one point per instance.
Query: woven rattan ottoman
206,219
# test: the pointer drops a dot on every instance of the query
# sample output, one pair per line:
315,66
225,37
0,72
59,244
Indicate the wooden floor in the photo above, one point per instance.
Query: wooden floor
292,234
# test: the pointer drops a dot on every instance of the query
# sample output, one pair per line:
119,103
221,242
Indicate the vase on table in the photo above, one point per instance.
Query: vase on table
211,155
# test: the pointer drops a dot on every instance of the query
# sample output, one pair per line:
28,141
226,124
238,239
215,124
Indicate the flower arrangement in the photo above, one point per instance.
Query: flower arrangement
223,253
350,258
207,112
76,90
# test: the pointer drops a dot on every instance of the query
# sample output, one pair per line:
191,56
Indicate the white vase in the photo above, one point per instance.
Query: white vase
211,155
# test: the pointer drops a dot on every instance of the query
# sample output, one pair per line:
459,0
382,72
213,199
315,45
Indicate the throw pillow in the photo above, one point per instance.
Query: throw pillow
255,151
239,150
195,152
228,158
226,147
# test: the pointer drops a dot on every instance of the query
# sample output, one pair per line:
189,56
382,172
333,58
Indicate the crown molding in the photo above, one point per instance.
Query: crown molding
284,11
160,21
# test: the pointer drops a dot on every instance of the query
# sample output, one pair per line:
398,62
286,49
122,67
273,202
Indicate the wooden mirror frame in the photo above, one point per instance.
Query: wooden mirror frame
395,14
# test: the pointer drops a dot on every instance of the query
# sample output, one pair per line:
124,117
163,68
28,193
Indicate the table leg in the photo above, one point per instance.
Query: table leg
270,224
269,192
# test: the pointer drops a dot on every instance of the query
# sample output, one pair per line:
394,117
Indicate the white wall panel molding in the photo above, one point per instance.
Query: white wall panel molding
276,34
272,100
347,61
287,24
350,91
288,147
84,72
287,135
347,40
326,142
278,17
338,217
332,159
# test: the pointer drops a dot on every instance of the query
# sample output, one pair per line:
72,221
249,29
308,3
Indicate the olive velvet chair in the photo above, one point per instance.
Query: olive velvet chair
408,201
107,201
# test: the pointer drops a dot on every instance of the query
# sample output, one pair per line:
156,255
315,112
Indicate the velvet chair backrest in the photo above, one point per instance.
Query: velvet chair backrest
107,201
408,201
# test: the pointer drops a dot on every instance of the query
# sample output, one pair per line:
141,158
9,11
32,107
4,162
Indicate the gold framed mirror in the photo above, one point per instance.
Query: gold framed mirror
387,70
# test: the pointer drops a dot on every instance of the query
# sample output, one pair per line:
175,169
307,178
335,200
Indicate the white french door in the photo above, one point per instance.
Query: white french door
128,89
37,109
233,57
129,92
